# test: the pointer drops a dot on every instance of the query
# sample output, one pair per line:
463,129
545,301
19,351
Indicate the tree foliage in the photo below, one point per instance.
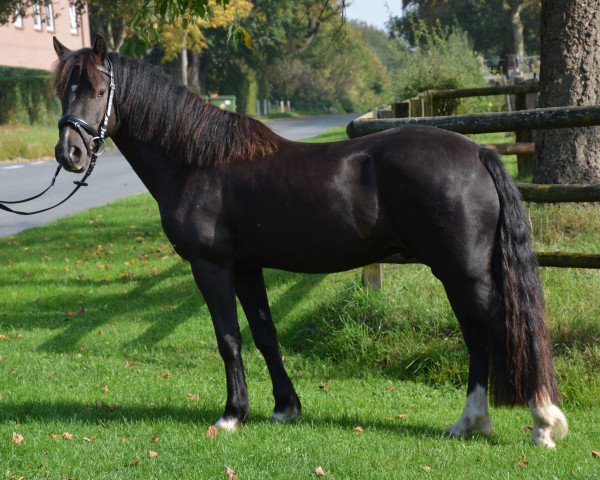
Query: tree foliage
138,15
189,32
490,24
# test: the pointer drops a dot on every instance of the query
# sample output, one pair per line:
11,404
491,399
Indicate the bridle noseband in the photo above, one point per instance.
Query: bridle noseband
95,147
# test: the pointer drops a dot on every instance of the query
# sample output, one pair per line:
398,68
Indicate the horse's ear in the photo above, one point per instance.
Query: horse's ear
59,48
100,46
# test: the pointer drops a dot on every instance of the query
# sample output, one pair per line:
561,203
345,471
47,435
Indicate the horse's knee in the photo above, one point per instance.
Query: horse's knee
230,347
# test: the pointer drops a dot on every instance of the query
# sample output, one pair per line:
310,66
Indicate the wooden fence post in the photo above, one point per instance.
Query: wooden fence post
524,160
371,276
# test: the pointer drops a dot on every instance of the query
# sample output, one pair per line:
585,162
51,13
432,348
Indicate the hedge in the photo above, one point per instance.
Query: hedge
27,97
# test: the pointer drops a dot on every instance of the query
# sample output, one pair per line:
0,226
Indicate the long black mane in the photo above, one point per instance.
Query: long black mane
151,107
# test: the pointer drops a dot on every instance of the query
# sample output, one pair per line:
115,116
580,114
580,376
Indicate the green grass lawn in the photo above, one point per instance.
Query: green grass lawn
107,346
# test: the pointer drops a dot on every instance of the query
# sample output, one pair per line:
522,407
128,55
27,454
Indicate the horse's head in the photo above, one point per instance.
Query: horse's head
83,81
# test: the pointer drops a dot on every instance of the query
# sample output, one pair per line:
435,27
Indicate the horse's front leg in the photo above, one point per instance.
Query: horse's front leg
217,286
250,289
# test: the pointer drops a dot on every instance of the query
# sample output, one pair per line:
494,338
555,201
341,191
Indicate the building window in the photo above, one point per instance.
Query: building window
37,16
73,14
18,19
49,17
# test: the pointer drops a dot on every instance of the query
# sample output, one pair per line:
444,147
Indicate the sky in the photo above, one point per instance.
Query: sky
373,12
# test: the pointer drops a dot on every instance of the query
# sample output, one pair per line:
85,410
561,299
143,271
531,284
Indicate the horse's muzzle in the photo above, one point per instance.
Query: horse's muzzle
70,157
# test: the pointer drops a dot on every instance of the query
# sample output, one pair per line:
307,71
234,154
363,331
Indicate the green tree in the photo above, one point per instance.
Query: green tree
346,74
136,12
495,26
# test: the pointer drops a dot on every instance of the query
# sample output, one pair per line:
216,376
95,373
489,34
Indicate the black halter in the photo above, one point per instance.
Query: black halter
95,147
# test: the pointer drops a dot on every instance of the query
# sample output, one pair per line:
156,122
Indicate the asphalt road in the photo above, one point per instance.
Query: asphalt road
112,179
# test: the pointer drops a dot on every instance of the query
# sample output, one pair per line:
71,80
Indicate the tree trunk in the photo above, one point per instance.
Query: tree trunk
194,72
184,66
570,75
517,26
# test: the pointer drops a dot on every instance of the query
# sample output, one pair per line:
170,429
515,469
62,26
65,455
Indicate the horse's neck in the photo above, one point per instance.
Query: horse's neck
152,166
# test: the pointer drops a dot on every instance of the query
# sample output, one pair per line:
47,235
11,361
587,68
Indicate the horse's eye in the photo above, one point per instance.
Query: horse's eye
101,93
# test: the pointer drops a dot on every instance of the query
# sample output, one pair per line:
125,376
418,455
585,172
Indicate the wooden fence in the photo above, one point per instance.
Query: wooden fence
517,121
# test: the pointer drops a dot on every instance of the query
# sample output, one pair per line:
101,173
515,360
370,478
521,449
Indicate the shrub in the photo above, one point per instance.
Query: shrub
444,59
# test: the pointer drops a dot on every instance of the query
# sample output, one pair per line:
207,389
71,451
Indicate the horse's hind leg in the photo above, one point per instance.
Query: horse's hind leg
250,289
477,306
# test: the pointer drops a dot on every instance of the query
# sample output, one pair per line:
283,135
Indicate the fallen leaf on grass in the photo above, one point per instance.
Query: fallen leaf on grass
192,397
155,439
231,475
358,430
527,429
523,463
426,468
105,389
17,438
211,432
324,387
167,374
152,454
129,363
595,454
89,439
3,337
135,462
320,472
76,313
391,389
401,416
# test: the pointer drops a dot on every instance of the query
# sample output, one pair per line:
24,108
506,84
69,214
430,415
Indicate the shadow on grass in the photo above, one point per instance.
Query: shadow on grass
105,414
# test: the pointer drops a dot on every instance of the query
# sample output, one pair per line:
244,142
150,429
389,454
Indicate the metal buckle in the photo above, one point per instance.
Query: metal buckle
97,146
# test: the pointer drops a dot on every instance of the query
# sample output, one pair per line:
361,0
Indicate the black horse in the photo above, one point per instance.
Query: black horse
235,198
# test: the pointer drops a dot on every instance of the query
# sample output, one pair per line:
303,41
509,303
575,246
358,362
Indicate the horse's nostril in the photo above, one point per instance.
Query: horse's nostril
74,154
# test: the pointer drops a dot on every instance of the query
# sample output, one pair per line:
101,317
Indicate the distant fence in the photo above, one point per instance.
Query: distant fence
266,107
421,110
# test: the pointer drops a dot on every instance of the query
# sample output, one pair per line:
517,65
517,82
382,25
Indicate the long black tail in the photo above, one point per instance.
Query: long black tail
521,369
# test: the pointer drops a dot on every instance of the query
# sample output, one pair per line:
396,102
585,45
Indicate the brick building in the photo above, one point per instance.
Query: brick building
27,41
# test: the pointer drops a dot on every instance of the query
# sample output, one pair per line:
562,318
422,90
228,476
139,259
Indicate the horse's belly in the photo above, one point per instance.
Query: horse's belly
317,253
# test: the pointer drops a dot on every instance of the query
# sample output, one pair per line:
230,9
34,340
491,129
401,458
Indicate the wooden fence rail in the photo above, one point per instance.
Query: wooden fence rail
535,119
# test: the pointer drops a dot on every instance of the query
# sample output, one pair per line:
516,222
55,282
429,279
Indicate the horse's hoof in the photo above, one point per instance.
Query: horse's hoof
468,427
549,421
228,424
288,414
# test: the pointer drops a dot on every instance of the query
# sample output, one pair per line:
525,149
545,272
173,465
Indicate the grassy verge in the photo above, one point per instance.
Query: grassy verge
27,141
30,142
106,344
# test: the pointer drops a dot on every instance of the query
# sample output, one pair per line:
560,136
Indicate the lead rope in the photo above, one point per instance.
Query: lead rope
93,151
